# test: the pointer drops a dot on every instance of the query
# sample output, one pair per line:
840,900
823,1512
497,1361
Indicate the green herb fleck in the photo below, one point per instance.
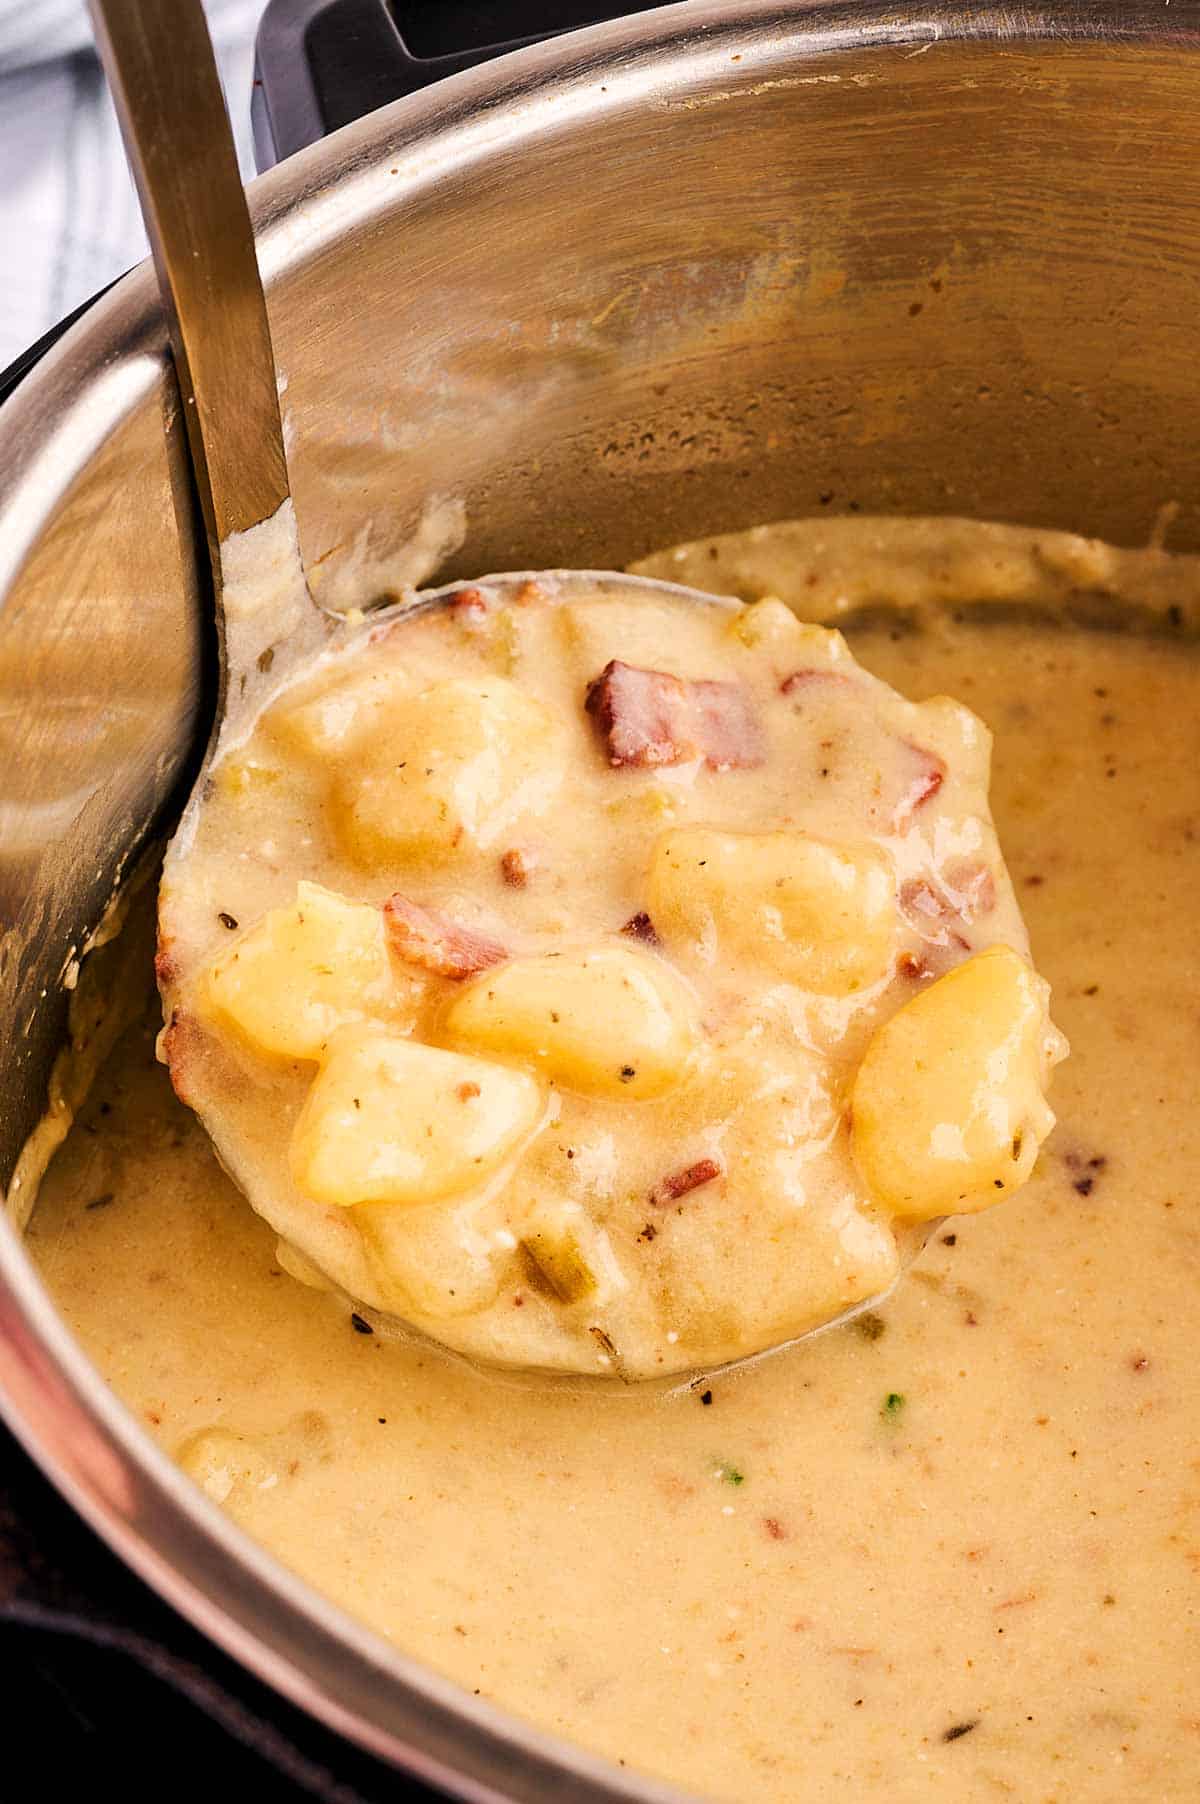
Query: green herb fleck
728,1473
892,1405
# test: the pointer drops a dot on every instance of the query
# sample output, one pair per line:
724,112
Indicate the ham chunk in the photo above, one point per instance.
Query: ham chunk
679,1183
935,909
813,678
429,938
922,776
649,718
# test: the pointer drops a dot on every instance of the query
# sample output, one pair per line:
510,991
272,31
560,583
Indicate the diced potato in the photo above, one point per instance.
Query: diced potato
948,1104
771,623
645,805
451,768
642,633
441,1259
820,914
783,1240
302,972
329,724
245,775
389,1120
610,1022
223,1463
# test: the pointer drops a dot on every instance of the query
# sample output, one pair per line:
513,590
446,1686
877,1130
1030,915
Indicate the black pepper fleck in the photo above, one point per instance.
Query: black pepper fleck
359,1326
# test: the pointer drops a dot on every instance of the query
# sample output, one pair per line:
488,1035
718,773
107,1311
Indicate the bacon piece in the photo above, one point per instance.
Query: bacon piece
919,896
179,1046
970,891
669,1189
427,937
516,867
648,718
166,965
470,608
922,779
641,927
804,679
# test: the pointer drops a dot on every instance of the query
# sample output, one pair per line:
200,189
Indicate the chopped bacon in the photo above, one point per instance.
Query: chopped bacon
516,867
974,886
641,927
470,607
166,965
803,679
426,937
922,780
970,891
670,1189
649,718
920,897
178,1046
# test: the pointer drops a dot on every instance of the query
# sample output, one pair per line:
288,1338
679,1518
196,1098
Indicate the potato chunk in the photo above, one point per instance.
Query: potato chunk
302,972
613,1021
391,1121
770,625
439,1260
947,1104
820,914
330,723
450,768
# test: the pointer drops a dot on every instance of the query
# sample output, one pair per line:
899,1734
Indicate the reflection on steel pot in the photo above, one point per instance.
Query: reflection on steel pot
716,265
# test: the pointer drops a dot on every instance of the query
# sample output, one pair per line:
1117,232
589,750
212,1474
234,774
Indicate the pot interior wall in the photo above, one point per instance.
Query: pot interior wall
956,281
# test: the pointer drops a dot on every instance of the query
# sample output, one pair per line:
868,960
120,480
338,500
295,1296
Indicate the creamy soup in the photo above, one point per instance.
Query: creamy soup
608,982
950,1549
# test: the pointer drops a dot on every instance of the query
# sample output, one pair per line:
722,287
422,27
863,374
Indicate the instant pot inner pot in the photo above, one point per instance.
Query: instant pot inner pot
574,306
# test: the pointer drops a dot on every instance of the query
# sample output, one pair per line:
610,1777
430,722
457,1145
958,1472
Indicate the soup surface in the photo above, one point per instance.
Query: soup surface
951,1549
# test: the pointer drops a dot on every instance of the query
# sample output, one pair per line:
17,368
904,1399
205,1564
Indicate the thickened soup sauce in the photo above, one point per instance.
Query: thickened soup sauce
948,1549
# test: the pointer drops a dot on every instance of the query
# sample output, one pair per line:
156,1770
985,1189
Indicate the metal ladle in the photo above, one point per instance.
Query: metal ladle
158,57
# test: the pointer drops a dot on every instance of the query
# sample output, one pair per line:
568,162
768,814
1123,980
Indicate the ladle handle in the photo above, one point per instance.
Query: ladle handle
159,60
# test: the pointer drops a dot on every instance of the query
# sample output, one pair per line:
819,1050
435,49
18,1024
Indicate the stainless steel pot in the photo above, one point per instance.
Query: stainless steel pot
721,264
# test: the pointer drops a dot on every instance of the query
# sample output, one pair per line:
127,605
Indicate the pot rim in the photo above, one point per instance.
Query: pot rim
53,1399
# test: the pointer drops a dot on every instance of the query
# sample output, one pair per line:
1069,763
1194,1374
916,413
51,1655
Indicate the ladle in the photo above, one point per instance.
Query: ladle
159,60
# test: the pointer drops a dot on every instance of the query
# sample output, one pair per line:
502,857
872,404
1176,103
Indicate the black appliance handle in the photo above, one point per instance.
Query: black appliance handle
319,64
20,367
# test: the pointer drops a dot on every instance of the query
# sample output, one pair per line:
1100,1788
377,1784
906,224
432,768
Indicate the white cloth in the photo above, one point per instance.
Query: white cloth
69,220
